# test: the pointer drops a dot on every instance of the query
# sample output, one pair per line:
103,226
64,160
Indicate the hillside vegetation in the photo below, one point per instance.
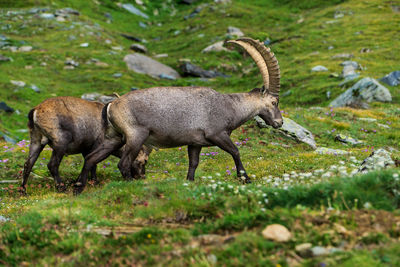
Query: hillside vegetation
348,218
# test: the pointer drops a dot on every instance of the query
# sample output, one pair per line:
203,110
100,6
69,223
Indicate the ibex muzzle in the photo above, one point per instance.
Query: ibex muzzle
192,116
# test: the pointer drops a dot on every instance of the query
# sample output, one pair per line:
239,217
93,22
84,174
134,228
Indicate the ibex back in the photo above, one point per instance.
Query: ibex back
192,116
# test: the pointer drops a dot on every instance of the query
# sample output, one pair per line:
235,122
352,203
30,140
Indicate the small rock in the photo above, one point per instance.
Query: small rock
349,68
47,16
25,48
392,79
328,94
3,219
347,139
166,76
292,130
84,45
343,55
330,151
35,88
18,83
365,90
4,59
319,68
234,32
193,14
117,75
130,37
190,69
188,2
365,50
98,97
379,159
304,250
161,55
139,48
5,107
367,119
64,12
384,126
217,47
142,25
134,10
277,232
71,62
319,251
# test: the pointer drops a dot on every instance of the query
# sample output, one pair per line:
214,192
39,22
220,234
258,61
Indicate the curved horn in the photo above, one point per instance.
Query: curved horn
265,60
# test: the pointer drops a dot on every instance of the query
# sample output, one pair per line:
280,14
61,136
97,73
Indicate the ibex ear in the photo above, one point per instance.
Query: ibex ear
264,90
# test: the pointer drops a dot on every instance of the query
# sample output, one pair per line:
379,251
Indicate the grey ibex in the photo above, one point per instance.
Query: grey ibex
69,125
192,116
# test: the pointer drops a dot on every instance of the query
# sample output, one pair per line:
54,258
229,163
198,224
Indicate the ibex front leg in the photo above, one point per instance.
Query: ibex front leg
224,142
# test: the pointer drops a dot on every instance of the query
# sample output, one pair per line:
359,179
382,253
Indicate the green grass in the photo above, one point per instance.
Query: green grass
165,221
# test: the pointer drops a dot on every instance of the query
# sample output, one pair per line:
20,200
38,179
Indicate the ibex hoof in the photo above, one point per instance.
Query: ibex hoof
78,188
61,188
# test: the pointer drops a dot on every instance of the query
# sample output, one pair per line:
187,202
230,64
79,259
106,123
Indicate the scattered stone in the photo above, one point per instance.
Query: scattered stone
142,64
328,94
330,151
287,93
166,76
235,32
117,75
64,12
36,10
8,139
18,83
384,126
304,250
319,251
35,88
379,159
367,119
3,219
71,62
130,37
47,16
4,58
25,48
134,10
396,9
331,47
142,25
84,45
277,232
292,130
319,68
392,79
365,90
343,56
347,139
365,50
217,47
5,107
139,48
105,99
225,2
349,69
161,55
190,69
196,11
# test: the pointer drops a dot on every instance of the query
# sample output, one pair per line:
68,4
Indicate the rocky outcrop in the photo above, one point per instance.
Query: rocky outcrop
379,159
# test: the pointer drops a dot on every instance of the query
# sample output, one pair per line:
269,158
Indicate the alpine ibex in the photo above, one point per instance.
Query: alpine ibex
69,125
192,116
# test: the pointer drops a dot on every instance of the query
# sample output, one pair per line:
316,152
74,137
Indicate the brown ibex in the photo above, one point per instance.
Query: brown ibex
69,125
192,116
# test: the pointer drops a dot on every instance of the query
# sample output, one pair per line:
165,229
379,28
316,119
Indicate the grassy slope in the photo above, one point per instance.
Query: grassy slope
63,218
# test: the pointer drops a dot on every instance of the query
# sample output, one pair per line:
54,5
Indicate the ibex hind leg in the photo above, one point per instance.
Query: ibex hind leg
91,160
35,148
224,142
135,139
193,153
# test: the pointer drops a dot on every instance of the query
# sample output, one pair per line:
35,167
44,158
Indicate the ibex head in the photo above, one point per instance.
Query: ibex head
269,68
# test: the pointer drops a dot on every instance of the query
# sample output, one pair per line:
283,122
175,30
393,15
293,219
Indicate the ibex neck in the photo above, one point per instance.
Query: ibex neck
246,106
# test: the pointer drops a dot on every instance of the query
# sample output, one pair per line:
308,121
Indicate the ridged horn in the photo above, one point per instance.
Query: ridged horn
265,60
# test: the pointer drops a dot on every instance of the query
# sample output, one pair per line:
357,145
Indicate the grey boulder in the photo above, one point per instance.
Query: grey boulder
142,64
392,79
365,90
379,159
189,69
105,99
292,130
134,10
